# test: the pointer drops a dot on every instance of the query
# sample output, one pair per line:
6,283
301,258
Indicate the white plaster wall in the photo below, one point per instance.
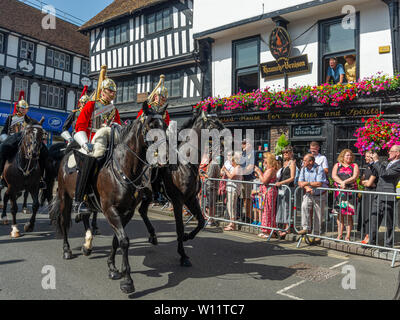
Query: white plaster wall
41,54
374,32
71,100
76,65
209,14
39,69
12,47
11,62
75,79
6,87
34,94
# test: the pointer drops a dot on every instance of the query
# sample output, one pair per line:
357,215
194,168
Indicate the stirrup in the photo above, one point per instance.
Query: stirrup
80,208
42,184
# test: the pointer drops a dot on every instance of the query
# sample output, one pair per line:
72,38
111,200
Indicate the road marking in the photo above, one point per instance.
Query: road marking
338,265
283,291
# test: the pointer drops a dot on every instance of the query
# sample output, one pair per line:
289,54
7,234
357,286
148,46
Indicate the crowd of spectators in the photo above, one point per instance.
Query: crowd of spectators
264,200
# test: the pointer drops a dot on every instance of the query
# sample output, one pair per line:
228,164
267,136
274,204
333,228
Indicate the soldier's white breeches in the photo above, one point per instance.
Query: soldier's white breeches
101,141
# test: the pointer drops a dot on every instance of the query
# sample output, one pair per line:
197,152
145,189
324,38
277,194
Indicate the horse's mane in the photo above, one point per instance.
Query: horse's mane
125,130
189,123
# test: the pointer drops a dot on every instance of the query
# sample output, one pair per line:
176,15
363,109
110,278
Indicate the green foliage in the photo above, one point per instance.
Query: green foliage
281,144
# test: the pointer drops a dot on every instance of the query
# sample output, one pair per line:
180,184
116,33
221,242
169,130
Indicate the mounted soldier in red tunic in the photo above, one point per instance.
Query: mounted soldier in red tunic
11,136
71,121
94,116
158,98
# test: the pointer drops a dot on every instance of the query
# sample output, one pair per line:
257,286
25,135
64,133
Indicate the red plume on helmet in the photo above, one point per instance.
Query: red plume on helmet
21,97
84,91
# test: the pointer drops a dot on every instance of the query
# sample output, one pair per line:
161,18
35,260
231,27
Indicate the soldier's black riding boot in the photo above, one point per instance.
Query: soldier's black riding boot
84,164
2,164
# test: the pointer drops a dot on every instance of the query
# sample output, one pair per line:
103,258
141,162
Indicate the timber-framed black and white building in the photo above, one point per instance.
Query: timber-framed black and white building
49,65
143,39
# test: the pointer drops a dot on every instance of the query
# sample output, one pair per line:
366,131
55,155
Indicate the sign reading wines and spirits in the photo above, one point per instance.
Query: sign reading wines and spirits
300,131
299,115
279,46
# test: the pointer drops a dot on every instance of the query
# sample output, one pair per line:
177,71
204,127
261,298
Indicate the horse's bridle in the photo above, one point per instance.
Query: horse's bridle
144,130
27,170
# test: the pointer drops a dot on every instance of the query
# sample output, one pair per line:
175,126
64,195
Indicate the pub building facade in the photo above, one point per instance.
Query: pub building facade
49,65
287,44
140,40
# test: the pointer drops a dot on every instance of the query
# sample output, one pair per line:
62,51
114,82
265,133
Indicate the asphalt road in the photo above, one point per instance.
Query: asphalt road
226,265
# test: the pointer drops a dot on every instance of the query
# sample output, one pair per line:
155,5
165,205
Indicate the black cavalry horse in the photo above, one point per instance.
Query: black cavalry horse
23,173
115,187
182,186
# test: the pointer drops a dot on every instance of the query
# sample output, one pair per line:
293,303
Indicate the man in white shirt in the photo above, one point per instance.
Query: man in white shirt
319,158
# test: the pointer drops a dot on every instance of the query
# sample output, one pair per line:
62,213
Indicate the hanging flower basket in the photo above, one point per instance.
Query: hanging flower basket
377,135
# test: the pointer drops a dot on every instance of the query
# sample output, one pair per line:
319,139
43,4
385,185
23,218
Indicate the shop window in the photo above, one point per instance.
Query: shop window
21,84
261,144
345,139
246,59
339,43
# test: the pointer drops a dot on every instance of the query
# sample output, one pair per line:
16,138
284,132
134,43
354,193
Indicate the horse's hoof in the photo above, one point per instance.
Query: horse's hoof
67,255
86,252
114,275
127,286
28,227
185,262
153,240
4,222
15,234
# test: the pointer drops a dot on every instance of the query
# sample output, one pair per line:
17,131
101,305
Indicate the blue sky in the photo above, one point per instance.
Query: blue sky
83,9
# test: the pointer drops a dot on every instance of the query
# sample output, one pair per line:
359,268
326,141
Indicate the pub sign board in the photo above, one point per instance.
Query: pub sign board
285,65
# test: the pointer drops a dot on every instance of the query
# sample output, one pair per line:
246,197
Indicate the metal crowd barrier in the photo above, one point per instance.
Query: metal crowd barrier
334,210
324,212
244,205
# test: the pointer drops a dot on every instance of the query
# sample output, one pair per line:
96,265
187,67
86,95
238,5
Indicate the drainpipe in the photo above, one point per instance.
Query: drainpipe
393,6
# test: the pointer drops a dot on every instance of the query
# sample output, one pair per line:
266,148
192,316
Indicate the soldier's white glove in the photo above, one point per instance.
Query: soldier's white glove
3,137
67,136
82,139
88,147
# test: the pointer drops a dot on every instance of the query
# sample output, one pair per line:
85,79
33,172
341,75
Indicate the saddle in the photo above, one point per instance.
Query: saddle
70,167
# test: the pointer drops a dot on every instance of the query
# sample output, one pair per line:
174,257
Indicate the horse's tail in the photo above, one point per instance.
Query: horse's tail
55,215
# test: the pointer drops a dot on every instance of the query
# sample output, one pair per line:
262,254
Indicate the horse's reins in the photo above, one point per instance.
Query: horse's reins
26,171
125,178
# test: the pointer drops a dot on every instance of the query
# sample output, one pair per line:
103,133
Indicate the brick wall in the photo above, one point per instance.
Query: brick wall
275,133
